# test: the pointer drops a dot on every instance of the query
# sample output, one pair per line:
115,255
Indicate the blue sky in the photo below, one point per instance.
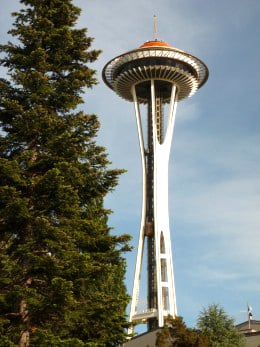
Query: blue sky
215,159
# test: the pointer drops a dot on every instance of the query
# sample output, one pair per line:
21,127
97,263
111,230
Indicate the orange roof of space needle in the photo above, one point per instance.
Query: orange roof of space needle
155,43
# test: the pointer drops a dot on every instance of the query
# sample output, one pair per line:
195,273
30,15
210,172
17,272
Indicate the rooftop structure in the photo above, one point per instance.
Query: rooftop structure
251,331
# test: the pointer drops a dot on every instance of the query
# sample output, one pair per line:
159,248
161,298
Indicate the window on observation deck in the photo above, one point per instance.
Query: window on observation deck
153,61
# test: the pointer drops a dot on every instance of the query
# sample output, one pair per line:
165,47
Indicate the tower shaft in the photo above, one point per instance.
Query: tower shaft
155,219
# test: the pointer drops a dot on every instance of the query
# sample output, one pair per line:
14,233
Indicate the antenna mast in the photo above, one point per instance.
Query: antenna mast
155,28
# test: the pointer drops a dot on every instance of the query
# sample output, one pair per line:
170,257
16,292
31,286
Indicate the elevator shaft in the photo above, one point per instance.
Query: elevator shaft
149,226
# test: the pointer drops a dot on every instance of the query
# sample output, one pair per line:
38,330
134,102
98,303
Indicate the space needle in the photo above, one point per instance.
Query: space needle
158,76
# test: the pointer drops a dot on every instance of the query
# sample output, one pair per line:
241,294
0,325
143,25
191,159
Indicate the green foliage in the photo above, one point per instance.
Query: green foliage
5,342
45,339
62,271
219,327
176,334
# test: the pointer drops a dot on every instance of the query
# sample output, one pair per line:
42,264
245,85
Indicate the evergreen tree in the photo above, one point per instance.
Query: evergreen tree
176,334
61,270
219,327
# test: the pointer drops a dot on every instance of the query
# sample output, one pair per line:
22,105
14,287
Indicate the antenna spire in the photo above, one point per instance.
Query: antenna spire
155,28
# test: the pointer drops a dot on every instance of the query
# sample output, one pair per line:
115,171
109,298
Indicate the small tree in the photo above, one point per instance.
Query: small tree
176,334
219,327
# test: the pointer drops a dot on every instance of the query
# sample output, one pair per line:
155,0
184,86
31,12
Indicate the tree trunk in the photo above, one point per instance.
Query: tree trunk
24,339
